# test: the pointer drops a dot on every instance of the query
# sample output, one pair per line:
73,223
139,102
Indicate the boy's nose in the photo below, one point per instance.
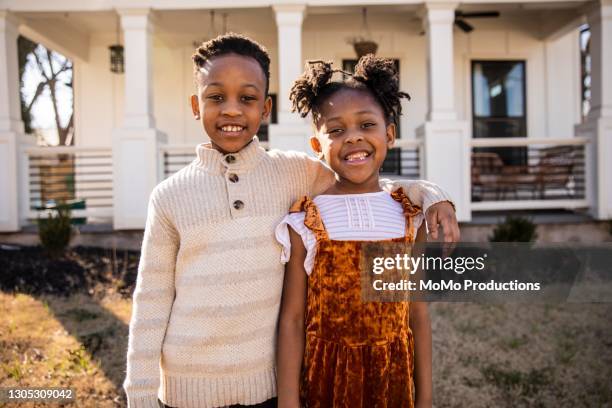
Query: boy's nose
231,109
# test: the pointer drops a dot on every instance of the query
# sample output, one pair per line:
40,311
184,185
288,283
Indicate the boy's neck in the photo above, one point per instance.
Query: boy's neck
214,146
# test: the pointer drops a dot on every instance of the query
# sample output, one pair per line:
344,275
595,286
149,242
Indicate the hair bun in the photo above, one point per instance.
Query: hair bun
305,90
381,76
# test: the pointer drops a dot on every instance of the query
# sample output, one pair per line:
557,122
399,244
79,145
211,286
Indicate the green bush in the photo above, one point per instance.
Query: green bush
55,231
514,229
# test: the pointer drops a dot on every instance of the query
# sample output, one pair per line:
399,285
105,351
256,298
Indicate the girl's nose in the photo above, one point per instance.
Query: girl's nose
353,137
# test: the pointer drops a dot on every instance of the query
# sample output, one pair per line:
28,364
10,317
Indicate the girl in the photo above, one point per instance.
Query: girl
354,354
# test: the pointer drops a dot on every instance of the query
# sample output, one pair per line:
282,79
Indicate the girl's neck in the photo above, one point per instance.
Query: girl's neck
343,186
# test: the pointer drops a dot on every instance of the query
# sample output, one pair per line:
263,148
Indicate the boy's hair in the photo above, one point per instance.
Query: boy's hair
375,75
232,43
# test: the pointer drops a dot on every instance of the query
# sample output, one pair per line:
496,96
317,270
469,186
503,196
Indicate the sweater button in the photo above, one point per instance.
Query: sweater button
238,204
230,158
233,178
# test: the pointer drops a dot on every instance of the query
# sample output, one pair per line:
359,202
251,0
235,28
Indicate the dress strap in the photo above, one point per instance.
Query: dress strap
410,211
312,218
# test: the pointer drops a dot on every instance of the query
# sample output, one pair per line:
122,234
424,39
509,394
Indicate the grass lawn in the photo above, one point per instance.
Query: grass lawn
76,342
484,355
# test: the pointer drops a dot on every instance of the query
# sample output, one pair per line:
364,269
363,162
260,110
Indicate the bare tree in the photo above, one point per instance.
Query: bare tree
52,68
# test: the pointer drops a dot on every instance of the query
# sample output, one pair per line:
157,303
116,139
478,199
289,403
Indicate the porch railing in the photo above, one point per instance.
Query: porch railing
79,176
528,173
403,159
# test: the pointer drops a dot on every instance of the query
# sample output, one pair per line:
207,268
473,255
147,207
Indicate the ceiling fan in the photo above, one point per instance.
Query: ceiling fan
460,17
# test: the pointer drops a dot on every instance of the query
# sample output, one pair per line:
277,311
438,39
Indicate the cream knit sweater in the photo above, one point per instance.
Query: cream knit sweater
203,328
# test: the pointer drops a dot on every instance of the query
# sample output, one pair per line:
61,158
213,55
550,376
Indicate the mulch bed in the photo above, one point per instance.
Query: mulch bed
30,270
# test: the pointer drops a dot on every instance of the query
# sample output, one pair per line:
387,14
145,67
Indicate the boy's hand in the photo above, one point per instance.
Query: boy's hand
443,214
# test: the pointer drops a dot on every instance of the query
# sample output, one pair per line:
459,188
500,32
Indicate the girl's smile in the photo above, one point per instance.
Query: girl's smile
358,157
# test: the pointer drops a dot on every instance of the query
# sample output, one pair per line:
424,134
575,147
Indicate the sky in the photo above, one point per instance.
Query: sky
43,116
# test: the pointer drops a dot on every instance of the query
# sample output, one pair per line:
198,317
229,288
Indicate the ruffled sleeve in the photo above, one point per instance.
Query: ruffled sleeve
410,212
296,221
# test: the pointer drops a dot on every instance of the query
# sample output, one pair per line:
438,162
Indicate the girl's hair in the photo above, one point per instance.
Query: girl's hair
232,43
375,75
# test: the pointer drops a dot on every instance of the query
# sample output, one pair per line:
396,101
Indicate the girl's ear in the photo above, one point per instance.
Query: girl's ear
195,106
391,134
315,144
267,109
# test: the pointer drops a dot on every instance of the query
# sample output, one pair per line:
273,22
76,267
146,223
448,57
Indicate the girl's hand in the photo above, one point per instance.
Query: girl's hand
443,213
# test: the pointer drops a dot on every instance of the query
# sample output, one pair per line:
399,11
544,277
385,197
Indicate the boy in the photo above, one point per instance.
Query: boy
209,285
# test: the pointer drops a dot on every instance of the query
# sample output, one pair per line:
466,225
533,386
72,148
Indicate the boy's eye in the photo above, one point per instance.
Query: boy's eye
335,131
368,124
248,98
215,97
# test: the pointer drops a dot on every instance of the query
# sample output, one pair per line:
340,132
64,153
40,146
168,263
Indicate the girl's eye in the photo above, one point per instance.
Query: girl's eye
215,97
368,124
335,131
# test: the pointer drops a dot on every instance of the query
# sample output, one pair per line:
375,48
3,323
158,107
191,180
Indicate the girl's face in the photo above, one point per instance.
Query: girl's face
231,103
353,137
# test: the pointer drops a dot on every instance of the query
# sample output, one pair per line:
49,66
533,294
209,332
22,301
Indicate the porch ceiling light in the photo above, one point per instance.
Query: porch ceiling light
116,55
363,44
213,32
116,59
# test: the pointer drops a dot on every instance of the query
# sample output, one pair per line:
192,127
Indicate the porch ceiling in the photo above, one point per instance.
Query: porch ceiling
181,20
174,26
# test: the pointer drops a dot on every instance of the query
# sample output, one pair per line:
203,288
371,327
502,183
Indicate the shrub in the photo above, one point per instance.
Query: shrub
55,231
514,229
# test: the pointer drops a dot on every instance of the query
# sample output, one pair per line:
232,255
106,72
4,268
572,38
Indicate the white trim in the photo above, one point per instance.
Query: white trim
526,141
106,212
528,204
53,150
408,143
80,5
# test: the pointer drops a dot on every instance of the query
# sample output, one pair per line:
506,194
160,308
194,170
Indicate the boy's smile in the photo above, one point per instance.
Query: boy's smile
353,137
231,103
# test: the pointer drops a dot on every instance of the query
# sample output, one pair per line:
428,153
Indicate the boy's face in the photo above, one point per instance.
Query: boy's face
231,101
353,136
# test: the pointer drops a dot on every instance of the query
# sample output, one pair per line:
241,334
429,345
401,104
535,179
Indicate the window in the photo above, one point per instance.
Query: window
262,134
585,70
393,161
499,106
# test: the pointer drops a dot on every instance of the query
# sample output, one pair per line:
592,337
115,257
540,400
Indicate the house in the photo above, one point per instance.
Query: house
499,95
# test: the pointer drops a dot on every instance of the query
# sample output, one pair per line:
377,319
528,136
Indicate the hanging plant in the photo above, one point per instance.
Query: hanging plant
363,44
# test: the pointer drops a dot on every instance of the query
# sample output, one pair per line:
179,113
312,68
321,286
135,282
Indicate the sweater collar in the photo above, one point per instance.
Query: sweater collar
214,161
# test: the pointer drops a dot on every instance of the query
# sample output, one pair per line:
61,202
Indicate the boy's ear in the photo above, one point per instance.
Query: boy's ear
391,134
267,109
195,106
315,144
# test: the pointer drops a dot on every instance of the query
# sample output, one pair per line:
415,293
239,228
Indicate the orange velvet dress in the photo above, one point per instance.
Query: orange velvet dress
357,354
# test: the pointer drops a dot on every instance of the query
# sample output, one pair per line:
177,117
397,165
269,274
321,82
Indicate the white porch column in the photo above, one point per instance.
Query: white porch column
11,126
291,132
446,139
136,167
598,125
